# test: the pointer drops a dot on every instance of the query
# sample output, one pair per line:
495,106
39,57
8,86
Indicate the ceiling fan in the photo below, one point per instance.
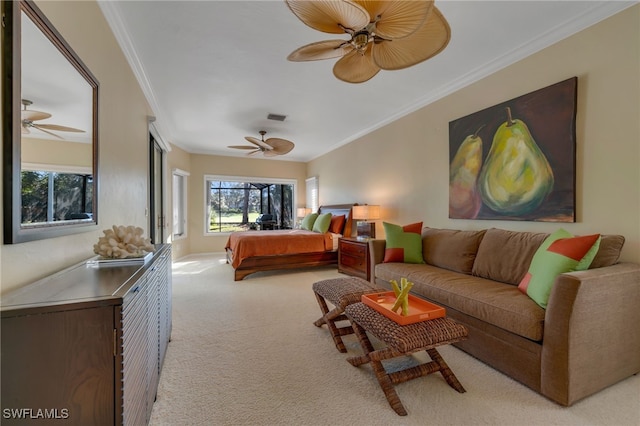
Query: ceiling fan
28,118
388,35
269,148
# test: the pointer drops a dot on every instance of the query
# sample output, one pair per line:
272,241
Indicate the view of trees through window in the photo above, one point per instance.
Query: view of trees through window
50,196
235,206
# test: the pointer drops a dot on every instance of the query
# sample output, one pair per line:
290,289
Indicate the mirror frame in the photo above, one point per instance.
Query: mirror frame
14,232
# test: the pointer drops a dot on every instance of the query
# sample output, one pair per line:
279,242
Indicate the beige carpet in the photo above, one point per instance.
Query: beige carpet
247,353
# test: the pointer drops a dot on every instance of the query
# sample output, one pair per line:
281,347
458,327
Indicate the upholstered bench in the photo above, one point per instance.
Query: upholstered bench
403,340
341,292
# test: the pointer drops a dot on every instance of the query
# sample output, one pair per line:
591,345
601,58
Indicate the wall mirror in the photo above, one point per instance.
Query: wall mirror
50,130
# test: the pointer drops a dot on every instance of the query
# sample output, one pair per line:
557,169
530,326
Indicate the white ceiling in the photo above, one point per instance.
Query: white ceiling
213,70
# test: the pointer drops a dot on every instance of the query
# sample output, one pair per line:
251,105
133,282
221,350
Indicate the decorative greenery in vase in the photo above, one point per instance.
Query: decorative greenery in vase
402,295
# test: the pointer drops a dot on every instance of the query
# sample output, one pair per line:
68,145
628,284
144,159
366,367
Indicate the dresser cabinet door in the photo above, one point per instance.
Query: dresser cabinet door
135,354
58,368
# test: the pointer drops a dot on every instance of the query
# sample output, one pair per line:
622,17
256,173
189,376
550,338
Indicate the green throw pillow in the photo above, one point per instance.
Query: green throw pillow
308,221
322,223
403,243
560,252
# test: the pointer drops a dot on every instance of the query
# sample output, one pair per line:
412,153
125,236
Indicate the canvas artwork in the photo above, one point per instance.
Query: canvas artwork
516,160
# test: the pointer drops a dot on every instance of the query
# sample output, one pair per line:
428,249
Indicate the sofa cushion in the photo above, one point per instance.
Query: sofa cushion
560,252
501,305
451,249
404,243
505,256
609,251
396,271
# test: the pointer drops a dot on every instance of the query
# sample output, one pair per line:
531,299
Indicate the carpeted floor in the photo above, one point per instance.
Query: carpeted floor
247,353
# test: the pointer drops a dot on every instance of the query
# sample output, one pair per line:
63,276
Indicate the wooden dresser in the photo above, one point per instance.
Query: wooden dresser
353,257
86,346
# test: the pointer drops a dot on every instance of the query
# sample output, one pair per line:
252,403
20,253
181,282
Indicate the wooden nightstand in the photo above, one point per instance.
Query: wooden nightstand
353,257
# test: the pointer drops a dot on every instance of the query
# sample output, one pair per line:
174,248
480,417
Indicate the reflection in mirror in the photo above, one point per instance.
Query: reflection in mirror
54,131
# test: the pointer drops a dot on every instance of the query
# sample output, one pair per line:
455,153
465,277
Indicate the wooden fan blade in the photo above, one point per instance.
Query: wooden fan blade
397,18
46,131
257,142
326,15
280,146
241,147
356,67
254,151
58,128
327,49
25,130
33,115
428,41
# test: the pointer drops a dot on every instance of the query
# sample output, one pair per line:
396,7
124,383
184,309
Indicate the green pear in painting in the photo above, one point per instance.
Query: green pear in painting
516,176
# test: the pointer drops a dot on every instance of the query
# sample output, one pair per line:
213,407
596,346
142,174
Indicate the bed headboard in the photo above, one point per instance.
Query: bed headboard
338,209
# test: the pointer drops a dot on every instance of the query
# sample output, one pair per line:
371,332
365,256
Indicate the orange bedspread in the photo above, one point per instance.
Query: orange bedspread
244,244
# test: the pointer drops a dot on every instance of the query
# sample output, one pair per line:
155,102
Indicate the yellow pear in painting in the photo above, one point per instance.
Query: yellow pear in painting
464,200
516,176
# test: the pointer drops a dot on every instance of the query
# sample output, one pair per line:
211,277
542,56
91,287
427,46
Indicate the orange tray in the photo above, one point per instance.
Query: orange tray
419,309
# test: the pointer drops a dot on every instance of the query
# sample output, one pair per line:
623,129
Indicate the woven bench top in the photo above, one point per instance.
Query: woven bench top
344,291
406,338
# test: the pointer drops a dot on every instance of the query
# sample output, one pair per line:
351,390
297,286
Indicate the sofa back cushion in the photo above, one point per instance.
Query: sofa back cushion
609,252
451,249
505,256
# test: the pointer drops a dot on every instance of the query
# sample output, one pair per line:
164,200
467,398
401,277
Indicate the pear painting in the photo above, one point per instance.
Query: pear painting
516,160
516,176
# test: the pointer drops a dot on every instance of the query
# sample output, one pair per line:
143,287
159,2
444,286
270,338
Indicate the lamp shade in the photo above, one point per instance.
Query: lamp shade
366,212
302,211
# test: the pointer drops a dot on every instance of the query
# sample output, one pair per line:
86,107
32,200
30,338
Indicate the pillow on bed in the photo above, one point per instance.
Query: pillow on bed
337,223
308,221
322,223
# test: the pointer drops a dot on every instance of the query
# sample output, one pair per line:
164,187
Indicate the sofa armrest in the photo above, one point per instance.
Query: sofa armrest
376,256
591,335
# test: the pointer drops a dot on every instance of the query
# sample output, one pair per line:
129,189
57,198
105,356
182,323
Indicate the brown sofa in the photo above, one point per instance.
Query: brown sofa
588,338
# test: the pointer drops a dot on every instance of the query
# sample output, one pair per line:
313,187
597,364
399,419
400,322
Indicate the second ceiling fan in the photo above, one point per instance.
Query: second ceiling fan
269,148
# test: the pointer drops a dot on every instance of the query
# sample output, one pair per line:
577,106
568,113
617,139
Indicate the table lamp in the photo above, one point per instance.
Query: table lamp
363,214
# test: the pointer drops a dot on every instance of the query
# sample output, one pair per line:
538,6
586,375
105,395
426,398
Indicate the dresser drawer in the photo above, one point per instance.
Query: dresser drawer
358,263
353,257
354,249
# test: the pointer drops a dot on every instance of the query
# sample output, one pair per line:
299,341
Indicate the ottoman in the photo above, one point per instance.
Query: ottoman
341,292
403,340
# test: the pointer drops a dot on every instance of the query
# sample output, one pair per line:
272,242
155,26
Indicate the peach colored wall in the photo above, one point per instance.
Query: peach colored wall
123,137
202,165
53,152
180,159
407,169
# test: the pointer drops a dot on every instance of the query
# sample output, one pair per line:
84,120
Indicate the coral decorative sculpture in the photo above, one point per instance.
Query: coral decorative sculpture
122,242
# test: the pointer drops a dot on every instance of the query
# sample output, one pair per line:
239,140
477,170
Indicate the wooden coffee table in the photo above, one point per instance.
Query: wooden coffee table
403,340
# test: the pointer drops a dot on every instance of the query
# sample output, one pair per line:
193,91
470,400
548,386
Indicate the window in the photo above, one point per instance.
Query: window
312,193
237,203
49,196
179,204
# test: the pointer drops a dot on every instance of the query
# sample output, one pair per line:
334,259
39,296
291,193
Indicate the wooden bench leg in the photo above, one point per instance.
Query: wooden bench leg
329,318
445,370
381,374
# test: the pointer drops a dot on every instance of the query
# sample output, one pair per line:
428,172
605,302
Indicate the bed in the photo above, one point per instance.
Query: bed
254,251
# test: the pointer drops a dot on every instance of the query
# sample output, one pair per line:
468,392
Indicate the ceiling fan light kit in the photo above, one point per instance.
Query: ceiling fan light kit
270,148
385,35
